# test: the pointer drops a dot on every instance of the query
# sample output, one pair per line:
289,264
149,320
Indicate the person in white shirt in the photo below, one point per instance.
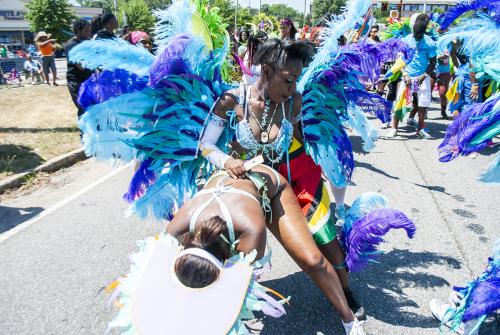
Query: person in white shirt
33,68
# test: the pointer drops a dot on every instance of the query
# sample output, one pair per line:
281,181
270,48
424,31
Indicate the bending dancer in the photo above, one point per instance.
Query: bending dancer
245,218
266,120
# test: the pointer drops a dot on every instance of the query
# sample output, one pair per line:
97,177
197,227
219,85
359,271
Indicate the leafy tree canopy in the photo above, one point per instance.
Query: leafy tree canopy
322,8
52,16
139,15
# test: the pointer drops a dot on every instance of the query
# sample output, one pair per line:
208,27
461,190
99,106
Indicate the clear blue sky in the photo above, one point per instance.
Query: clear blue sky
297,4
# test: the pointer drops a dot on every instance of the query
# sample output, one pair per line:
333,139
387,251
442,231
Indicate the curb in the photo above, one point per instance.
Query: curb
51,165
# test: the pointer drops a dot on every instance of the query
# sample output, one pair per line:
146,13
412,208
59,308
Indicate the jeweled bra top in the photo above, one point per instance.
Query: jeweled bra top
272,151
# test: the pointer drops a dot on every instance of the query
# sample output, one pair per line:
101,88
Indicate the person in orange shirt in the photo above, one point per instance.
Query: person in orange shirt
46,46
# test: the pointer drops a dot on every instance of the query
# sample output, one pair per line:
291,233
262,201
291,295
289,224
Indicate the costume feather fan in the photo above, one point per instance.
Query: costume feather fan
111,54
367,221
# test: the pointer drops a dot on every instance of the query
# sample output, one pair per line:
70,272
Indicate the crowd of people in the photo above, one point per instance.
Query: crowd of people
234,137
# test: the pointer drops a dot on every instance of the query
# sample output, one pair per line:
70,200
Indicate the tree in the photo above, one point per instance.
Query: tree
281,11
52,16
158,4
106,5
322,8
138,14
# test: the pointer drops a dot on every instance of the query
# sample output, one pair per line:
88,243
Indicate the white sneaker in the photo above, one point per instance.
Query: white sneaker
439,310
391,133
423,134
411,122
354,327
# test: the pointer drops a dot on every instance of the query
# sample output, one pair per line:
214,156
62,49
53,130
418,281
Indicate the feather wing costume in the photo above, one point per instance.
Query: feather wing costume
479,123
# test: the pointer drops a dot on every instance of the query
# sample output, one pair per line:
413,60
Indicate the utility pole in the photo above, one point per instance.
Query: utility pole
400,9
305,9
236,16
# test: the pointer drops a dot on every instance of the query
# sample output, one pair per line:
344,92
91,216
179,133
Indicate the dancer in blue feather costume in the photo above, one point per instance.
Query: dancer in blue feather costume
478,123
184,122
471,305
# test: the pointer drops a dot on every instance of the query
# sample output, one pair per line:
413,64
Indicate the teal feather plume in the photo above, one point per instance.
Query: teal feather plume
175,19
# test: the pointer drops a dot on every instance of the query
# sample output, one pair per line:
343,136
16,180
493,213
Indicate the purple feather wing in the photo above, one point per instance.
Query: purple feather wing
108,84
171,61
367,232
464,129
485,299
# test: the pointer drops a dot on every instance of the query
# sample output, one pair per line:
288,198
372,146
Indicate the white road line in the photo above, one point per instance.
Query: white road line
11,232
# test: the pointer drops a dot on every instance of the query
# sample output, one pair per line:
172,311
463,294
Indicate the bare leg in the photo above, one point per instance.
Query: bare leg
339,195
336,256
421,117
290,228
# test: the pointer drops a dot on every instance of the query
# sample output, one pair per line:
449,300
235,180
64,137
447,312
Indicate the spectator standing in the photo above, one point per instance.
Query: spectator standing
373,36
32,50
287,30
75,74
46,46
34,69
109,24
95,25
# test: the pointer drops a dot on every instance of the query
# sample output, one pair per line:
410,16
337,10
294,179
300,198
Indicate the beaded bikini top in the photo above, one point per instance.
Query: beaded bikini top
274,150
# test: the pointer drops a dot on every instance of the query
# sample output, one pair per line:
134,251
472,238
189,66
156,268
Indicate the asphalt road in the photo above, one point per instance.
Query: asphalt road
54,269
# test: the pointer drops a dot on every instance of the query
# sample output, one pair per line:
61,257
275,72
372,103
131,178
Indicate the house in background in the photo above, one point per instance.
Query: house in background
409,7
15,30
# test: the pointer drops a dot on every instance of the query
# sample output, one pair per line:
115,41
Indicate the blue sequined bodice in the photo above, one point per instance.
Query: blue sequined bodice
272,151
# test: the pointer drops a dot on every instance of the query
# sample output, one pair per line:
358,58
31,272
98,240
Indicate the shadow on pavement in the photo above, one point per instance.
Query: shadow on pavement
379,288
374,169
12,216
18,158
